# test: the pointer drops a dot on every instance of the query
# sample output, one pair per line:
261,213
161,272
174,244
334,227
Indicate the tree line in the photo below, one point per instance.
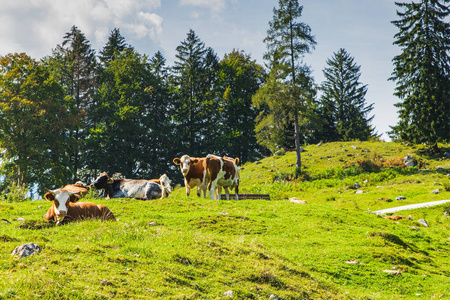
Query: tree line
76,113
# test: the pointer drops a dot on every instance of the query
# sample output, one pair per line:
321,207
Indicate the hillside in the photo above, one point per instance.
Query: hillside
194,248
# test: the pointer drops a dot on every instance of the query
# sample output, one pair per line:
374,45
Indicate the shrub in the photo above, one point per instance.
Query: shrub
15,193
447,186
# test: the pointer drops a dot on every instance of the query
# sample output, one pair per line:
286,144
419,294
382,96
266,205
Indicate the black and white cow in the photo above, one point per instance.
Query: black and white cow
133,188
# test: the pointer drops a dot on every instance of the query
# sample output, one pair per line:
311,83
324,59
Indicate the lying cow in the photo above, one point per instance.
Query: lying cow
133,188
78,190
63,209
194,173
222,172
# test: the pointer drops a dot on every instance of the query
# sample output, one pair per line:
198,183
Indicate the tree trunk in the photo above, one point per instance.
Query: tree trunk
298,164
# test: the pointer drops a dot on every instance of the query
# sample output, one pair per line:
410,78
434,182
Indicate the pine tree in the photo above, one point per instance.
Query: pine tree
74,65
189,79
422,73
343,105
287,41
115,45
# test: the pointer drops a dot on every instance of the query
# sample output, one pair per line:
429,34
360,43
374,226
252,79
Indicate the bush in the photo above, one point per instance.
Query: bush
15,193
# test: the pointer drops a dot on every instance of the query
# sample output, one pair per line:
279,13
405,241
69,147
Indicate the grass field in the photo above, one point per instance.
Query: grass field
194,248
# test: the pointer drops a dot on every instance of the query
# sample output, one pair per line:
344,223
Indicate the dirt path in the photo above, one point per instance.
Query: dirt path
411,206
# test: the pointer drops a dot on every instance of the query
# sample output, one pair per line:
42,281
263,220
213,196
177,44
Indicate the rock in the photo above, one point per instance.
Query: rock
302,150
436,191
273,297
366,181
295,200
26,250
354,147
438,168
409,163
400,198
352,262
20,219
356,186
359,192
407,157
393,272
447,154
423,223
228,294
258,162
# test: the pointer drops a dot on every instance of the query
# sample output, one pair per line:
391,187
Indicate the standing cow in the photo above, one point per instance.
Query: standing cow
222,172
133,188
194,173
63,209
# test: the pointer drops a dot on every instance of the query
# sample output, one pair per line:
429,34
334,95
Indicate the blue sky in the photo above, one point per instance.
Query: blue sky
362,27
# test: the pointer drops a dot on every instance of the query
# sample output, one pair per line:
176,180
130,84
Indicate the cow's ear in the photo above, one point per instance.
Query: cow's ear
49,196
74,197
110,181
176,161
194,160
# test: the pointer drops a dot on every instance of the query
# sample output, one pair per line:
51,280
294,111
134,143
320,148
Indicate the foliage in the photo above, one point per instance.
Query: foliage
15,193
33,121
238,80
342,104
421,72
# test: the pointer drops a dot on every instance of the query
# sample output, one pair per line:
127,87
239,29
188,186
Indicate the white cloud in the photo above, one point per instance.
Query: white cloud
213,5
37,26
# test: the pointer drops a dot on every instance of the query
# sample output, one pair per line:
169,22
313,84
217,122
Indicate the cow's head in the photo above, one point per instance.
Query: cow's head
185,163
165,183
102,181
60,199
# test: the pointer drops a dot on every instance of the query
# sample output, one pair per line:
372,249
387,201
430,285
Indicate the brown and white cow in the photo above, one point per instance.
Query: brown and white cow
65,210
222,172
194,173
133,188
79,190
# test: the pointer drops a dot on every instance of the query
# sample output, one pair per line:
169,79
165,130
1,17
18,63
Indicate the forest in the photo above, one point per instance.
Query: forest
79,112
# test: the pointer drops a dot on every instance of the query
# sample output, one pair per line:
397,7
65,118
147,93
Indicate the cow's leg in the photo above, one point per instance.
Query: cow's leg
236,190
199,191
188,188
218,192
212,189
227,192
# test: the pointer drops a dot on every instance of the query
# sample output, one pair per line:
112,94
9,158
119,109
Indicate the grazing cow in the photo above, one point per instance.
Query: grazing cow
222,172
194,173
133,188
65,210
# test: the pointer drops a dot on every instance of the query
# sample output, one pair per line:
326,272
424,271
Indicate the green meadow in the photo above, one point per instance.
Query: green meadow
182,247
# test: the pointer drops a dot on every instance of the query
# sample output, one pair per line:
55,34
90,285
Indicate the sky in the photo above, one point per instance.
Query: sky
362,27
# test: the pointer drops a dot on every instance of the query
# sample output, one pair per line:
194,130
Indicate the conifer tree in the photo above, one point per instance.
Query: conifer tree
115,45
189,76
287,41
343,104
422,73
74,65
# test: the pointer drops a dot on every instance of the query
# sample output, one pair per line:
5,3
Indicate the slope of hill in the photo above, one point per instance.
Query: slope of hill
194,248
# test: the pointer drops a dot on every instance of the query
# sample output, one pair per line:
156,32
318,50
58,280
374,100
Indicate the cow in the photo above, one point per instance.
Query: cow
133,188
222,172
194,173
63,209
78,189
